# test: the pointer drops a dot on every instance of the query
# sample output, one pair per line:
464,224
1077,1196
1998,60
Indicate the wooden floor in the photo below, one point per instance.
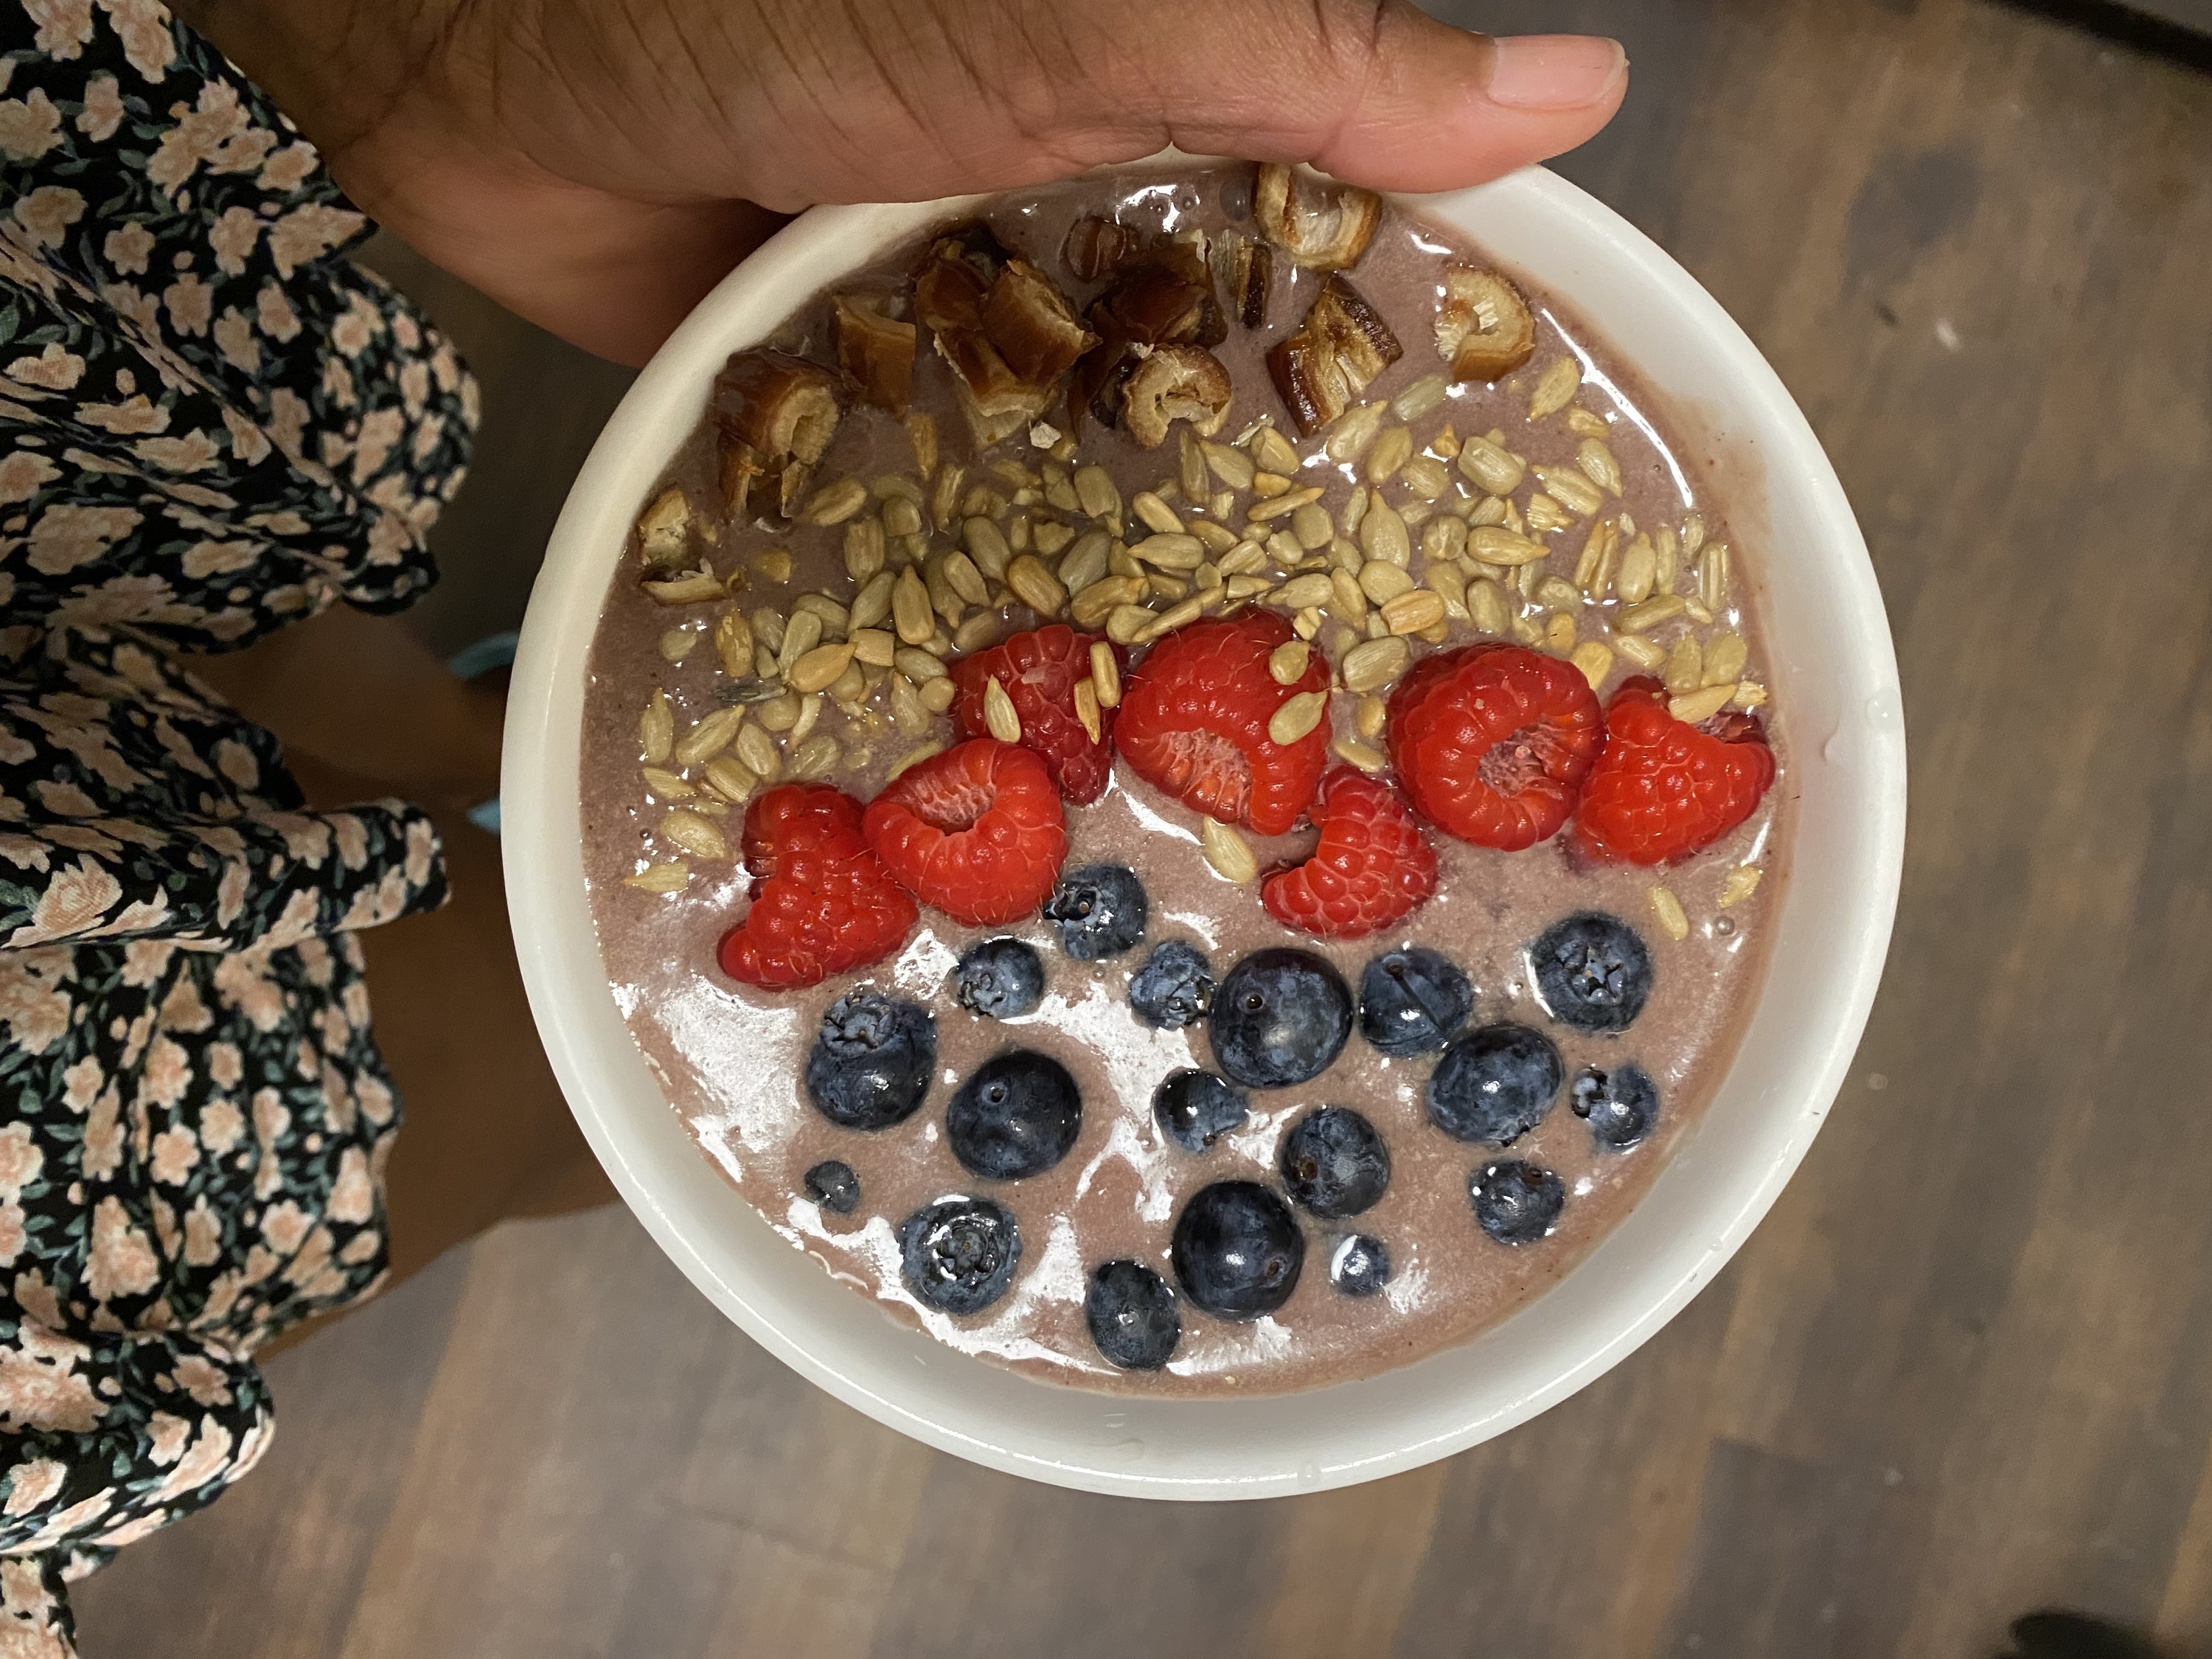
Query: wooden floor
1965,1367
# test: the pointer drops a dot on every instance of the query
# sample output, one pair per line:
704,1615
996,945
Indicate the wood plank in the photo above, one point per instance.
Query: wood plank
1966,1366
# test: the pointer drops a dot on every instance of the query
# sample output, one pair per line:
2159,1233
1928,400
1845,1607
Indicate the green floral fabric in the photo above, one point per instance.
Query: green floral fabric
212,424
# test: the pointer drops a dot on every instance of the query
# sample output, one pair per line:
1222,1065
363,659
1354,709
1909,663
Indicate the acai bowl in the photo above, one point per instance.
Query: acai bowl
1232,1065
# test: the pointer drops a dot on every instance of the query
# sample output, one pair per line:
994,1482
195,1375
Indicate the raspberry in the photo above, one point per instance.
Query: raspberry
1373,867
1663,790
822,904
1040,671
1492,742
1194,723
976,832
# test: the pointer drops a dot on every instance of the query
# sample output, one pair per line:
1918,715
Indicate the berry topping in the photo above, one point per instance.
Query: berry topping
872,1061
977,832
1194,720
832,1184
1017,1116
999,978
1663,790
1515,1203
1373,867
1359,1266
1592,972
1196,1109
958,1255
1621,1104
1334,1163
1280,1018
1495,1083
1174,988
1237,1250
1133,1315
1492,742
1039,672
1099,909
822,904
1412,1001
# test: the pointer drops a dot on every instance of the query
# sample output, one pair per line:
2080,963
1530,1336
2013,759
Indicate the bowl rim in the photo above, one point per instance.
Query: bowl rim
542,857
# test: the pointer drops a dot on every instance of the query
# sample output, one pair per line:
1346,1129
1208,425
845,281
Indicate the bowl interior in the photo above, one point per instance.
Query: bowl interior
1836,691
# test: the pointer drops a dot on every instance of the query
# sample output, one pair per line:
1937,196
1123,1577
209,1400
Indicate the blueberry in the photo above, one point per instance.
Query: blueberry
1359,1266
1237,1250
832,1184
1495,1083
1621,1104
1099,910
1016,1116
999,978
959,1253
1133,1316
1515,1203
1411,1001
871,1061
1196,1109
1174,988
1279,1018
1592,971
1334,1163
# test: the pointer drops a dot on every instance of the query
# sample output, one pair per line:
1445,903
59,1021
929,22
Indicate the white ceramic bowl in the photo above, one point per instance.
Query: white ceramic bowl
1836,691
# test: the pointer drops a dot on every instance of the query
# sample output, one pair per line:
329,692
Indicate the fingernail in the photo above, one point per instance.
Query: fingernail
1553,71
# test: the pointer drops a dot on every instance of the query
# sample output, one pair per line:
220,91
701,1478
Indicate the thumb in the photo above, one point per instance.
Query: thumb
1373,91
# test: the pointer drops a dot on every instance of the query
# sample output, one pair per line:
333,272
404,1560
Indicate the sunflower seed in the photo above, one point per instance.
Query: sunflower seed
1425,477
1382,582
778,714
1665,564
1494,545
1086,708
1668,909
1642,618
667,785
1559,634
1227,851
731,779
1594,659
1169,620
1346,597
1300,592
1490,467
1374,664
1094,603
1034,585
1389,452
1725,656
938,695
774,565
1382,536
1556,389
978,631
1424,395
1170,550
1487,608
1644,654
910,609
1559,594
1413,612
1638,566
1693,534
1742,881
1686,666
1546,514
1593,570
1451,585
917,665
684,590
1105,674
907,712
1127,624
1085,562
670,877
1366,756
1282,506
1597,463
1354,430
1701,706
816,757
1049,538
999,713
834,503
1713,576
819,669
1287,664
710,737
1370,716
695,834
1096,494
1296,715
833,616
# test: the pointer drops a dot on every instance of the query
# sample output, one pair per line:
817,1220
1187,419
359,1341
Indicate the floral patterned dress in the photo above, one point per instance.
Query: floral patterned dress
212,424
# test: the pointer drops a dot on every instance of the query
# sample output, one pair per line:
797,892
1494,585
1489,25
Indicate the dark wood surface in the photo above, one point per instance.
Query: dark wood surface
1965,1367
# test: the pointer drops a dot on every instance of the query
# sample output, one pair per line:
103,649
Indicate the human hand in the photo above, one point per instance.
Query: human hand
598,165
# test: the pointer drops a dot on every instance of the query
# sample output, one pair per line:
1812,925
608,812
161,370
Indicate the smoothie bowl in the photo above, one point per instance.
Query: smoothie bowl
1198,834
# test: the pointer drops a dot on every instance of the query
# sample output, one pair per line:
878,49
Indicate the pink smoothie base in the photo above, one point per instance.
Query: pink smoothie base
1835,689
